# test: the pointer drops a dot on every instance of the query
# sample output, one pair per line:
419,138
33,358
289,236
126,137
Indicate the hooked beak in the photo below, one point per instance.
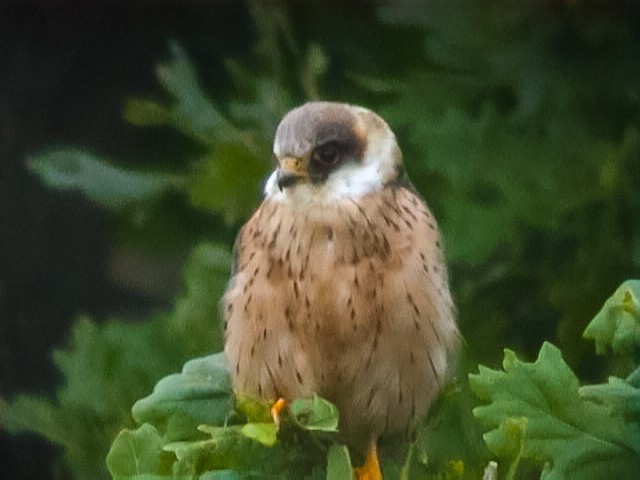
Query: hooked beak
292,170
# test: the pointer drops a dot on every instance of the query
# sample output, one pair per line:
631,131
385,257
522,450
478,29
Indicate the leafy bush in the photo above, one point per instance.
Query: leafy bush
538,413
520,128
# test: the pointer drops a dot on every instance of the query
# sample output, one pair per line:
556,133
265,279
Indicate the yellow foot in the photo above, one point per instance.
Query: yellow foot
371,468
276,409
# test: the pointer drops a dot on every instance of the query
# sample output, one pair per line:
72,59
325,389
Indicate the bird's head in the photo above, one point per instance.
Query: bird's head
330,151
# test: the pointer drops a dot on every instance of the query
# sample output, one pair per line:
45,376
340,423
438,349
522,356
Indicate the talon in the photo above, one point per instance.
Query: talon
371,468
276,409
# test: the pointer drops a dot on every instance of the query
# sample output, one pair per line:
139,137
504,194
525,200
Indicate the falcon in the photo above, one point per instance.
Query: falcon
339,287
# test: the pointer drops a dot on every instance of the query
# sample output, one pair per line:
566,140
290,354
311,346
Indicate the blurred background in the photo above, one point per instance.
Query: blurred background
134,141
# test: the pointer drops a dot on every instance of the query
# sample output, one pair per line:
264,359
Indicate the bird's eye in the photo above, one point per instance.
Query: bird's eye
327,154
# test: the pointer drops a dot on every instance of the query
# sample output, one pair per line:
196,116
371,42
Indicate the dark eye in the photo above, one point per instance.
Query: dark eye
327,154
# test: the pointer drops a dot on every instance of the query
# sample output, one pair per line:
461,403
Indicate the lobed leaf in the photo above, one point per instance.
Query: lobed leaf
622,396
339,463
265,433
109,186
617,325
493,128
619,394
138,452
206,274
200,394
450,439
83,433
107,367
227,448
315,414
192,113
34,414
190,429
536,413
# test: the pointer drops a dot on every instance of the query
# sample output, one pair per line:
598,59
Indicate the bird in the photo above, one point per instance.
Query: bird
338,286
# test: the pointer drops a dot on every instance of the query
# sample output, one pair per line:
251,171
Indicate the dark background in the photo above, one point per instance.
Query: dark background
65,72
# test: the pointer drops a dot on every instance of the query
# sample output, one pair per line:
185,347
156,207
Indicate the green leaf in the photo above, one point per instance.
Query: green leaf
617,325
201,394
84,434
145,113
226,449
316,414
34,414
492,127
99,181
192,113
257,446
314,67
265,433
136,452
107,367
450,438
536,413
619,394
474,155
255,410
623,398
339,463
226,475
196,314
230,168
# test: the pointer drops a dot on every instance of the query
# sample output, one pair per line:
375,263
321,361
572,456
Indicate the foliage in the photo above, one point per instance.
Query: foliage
617,325
538,411
495,102
519,126
191,427
529,155
110,365
101,182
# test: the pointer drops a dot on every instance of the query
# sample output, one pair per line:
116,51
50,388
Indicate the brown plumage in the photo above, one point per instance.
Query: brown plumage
339,287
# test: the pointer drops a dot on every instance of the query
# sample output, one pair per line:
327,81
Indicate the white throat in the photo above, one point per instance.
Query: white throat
351,180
